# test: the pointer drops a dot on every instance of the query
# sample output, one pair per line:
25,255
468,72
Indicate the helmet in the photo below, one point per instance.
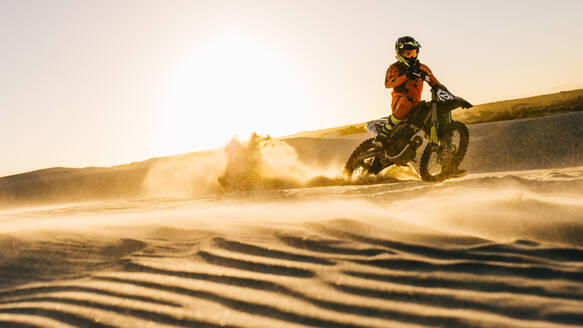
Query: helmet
407,42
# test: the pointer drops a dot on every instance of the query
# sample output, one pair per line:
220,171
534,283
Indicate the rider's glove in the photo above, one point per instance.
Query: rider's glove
410,75
413,74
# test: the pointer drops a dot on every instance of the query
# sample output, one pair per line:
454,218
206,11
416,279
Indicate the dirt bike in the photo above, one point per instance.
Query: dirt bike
428,141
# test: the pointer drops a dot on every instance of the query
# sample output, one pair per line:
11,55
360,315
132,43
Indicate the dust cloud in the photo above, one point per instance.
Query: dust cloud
508,209
256,164
511,207
185,176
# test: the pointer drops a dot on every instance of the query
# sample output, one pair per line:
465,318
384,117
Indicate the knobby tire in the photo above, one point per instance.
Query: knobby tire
366,145
455,161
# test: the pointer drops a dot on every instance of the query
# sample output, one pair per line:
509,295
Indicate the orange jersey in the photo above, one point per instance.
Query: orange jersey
406,92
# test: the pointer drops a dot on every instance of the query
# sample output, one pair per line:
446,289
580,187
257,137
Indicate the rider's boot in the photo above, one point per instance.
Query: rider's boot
382,139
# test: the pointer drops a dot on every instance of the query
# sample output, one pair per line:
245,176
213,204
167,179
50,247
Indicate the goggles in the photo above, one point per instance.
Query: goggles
409,52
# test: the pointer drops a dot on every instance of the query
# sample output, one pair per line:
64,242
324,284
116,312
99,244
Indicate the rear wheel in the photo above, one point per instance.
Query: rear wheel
363,160
437,161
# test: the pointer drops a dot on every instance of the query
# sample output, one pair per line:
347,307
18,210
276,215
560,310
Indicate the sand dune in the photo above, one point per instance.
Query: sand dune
489,250
501,247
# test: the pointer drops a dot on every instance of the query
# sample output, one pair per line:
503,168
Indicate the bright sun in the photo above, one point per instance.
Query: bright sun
230,85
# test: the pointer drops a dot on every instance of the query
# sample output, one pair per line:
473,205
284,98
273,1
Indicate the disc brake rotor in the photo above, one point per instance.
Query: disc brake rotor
434,164
443,155
450,147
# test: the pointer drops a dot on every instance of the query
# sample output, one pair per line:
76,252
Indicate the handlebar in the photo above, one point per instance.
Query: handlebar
424,77
435,87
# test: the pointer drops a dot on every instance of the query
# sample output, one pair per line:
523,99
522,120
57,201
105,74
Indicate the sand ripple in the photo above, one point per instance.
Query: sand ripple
292,279
387,260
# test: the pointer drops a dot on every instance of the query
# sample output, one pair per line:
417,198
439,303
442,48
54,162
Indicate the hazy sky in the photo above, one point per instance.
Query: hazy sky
99,83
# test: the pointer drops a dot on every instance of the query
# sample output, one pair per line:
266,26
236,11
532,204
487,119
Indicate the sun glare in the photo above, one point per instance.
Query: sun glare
230,85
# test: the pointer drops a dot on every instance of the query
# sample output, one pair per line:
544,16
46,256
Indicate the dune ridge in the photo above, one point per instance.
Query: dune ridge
530,144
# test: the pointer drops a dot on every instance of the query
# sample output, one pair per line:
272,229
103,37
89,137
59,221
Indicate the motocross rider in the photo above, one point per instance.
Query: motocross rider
406,78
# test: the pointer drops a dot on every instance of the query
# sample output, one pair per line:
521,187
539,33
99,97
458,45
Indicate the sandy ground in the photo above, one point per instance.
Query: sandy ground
500,247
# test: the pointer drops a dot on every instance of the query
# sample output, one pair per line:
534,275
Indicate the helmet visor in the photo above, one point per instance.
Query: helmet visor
409,45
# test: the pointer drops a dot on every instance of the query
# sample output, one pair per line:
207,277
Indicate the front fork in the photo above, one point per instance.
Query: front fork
435,124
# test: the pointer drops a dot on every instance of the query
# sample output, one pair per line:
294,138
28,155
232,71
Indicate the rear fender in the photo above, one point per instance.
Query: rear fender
374,127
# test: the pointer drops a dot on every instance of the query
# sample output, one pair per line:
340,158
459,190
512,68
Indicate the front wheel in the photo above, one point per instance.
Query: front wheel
363,160
436,160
